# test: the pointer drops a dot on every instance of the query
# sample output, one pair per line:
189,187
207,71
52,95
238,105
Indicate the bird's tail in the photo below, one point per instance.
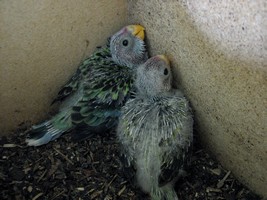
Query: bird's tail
147,176
49,130
165,192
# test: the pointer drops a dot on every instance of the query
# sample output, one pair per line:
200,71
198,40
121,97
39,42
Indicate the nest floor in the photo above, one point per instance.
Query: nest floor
90,169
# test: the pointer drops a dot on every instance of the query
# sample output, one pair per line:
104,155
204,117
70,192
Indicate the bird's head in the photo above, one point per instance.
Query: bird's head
128,47
154,76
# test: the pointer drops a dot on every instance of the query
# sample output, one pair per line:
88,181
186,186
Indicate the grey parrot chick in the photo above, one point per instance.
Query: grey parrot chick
156,130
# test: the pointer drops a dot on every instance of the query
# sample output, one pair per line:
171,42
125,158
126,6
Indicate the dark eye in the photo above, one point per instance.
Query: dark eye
166,71
125,43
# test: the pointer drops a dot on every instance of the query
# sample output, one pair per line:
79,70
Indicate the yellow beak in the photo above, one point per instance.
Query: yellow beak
163,57
137,30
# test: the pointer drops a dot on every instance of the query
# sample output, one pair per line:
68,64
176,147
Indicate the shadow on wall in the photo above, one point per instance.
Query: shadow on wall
226,89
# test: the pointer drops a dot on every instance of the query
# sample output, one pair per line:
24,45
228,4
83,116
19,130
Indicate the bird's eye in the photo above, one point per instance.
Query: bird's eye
125,43
166,72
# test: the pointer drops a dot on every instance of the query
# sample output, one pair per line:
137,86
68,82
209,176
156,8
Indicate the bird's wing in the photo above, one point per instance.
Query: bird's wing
108,84
84,69
105,90
125,136
178,141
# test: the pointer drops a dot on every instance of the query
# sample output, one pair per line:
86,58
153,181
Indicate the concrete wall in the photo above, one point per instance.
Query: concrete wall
41,44
218,49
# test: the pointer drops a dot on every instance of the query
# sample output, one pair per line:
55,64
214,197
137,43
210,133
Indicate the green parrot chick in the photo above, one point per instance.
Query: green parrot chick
92,98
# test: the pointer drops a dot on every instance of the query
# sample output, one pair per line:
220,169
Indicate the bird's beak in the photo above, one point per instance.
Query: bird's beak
163,57
137,30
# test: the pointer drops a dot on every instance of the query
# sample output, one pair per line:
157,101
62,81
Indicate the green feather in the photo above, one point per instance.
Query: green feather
115,96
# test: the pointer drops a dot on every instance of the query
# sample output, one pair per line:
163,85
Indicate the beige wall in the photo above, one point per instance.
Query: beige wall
41,44
221,63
